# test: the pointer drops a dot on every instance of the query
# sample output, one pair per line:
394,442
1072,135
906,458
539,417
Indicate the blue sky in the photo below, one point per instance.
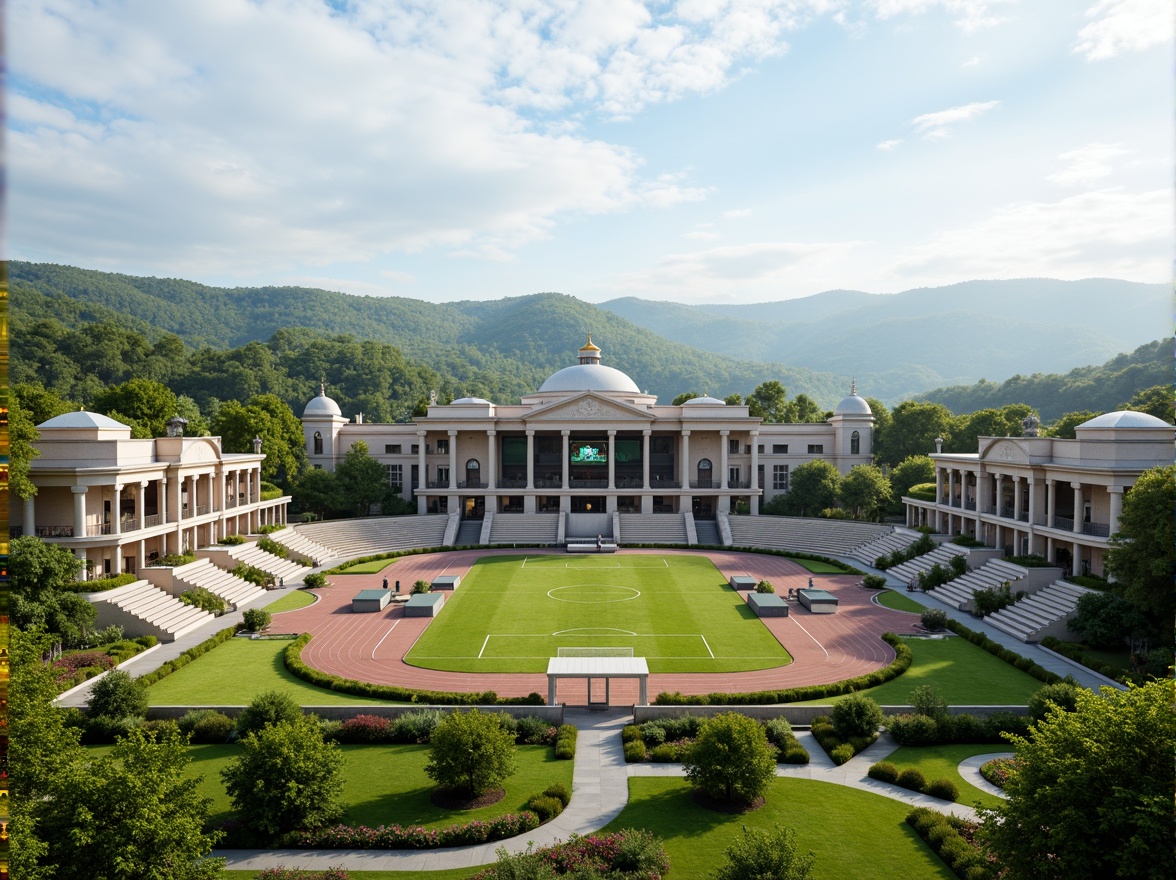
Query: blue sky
695,151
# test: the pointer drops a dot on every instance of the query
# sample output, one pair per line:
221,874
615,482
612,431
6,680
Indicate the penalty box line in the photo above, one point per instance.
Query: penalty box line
705,643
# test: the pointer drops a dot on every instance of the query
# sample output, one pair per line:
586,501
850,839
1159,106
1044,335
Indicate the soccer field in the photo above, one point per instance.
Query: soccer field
512,613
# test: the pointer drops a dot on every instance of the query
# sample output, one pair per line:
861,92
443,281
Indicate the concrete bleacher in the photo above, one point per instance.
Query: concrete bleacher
531,529
249,553
348,538
143,609
958,593
1045,613
912,568
203,573
302,546
883,545
656,528
829,537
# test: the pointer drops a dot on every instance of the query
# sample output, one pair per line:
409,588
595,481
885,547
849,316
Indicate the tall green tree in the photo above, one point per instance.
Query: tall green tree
286,778
1090,795
470,752
1064,427
362,480
769,401
22,435
730,758
268,417
144,404
1003,422
865,492
38,572
39,402
1156,401
911,471
1142,555
814,487
803,410
912,431
318,492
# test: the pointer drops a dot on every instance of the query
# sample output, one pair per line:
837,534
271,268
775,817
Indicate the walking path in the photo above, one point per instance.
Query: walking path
600,791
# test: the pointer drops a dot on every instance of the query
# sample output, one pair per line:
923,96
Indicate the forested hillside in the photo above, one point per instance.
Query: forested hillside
1095,388
495,349
902,344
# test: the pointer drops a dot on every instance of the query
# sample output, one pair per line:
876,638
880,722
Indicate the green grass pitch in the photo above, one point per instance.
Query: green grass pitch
512,613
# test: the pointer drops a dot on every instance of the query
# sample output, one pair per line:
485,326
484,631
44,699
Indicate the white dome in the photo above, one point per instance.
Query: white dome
461,400
589,377
1125,419
710,401
82,419
322,406
853,406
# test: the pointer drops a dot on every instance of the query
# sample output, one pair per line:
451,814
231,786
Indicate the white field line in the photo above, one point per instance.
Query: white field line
487,639
707,645
381,641
810,635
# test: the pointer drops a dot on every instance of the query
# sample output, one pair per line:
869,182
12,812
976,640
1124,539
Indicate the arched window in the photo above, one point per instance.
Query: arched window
704,472
318,442
473,472
855,443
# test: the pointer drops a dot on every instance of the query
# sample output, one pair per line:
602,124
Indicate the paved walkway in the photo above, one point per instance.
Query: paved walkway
600,791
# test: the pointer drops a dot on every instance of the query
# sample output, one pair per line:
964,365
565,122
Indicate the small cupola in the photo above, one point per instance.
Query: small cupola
589,353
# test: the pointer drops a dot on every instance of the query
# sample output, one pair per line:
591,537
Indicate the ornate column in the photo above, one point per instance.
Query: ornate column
567,452
684,468
723,481
997,490
422,472
116,511
1016,497
645,435
1051,504
79,511
612,461
938,484
753,481
452,461
1116,493
30,510
1077,487
140,495
530,461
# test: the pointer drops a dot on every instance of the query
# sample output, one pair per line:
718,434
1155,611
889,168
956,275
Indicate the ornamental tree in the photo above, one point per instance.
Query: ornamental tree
1090,793
117,695
1142,555
765,854
286,778
470,752
730,758
815,486
865,492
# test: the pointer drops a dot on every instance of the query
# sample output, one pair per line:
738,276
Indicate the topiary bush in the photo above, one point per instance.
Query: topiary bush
559,791
856,715
544,806
944,789
315,580
421,586
765,587
117,695
634,752
213,729
883,771
841,754
874,582
271,707
912,778
933,619
256,619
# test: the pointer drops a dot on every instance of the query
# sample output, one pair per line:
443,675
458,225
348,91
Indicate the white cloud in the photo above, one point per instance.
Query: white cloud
937,125
737,214
889,145
974,61
1105,233
1119,26
1087,164
970,15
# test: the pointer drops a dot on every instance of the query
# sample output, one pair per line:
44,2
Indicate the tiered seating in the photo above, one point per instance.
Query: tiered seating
361,537
202,573
539,529
898,539
989,576
831,537
251,554
469,533
942,554
142,609
707,532
1045,613
302,545
657,528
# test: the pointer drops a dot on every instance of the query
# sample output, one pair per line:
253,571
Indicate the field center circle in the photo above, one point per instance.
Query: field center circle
595,594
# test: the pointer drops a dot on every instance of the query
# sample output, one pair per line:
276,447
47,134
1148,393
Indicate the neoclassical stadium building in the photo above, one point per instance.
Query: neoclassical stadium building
590,442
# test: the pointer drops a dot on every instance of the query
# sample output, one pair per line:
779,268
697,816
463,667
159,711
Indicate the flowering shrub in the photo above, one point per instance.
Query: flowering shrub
73,669
632,854
415,837
284,873
364,729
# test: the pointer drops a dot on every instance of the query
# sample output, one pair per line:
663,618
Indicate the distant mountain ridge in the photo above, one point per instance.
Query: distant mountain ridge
903,344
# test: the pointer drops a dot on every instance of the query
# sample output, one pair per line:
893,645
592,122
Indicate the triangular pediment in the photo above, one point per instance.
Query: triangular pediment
588,407
1005,451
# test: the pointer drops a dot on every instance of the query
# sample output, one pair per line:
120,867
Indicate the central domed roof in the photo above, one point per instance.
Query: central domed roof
322,405
589,377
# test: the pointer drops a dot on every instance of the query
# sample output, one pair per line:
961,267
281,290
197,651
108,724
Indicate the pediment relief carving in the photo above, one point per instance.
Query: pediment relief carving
1006,451
587,408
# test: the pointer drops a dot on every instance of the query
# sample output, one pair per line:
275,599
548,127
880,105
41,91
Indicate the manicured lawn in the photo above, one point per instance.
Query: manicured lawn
942,762
372,566
512,613
234,673
453,874
898,602
853,833
387,785
291,602
965,674
816,566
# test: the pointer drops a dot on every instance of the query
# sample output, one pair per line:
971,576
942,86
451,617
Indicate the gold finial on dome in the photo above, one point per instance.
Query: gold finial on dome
589,353
588,346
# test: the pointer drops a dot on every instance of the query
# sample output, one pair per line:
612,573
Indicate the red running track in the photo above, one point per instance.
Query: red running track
824,647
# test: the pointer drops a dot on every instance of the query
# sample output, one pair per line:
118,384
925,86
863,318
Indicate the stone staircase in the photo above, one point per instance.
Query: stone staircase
909,570
143,609
898,539
348,538
529,529
251,554
302,546
656,528
469,533
707,531
1045,613
831,537
203,573
990,576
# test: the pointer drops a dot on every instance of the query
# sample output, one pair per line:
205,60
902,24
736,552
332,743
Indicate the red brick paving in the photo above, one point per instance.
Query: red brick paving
824,647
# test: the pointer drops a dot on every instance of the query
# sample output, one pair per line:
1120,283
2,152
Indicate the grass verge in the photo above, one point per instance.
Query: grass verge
898,602
942,762
291,602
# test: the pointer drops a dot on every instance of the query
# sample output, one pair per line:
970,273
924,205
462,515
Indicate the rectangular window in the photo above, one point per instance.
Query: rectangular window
443,476
416,448
395,475
732,476
732,446
779,449
816,449
780,477
760,450
443,445
392,449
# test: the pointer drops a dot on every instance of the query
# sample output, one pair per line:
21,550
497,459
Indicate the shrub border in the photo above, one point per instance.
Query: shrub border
1072,652
166,669
416,837
996,649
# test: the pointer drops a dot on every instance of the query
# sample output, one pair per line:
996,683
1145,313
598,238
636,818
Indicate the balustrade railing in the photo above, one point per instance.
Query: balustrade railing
93,531
54,531
1096,529
1063,522
472,484
589,484
153,519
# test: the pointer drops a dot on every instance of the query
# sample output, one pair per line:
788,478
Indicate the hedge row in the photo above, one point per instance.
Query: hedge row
100,585
1075,653
394,693
415,837
923,730
942,834
840,750
897,667
997,650
767,551
188,656
396,554
565,743
912,779
629,854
